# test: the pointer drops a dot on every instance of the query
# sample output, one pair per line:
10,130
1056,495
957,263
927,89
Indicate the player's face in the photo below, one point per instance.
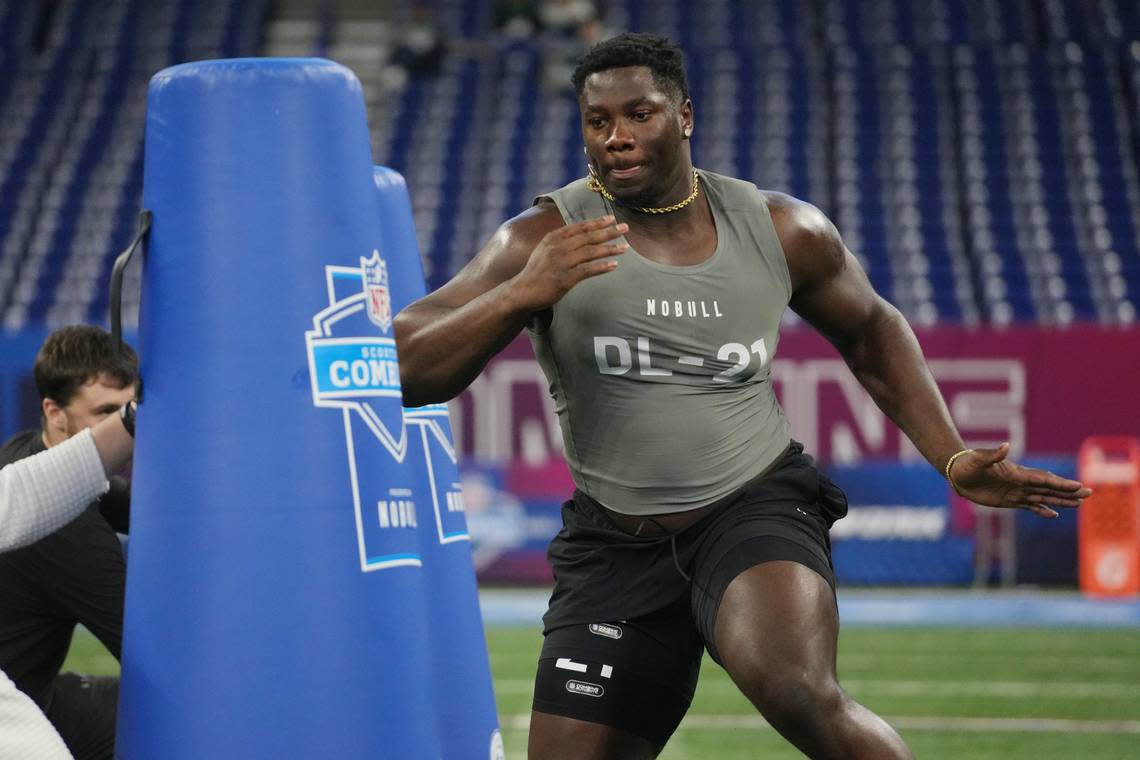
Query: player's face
635,135
93,401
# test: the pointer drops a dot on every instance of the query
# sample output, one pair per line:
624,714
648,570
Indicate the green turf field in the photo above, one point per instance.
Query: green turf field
1013,694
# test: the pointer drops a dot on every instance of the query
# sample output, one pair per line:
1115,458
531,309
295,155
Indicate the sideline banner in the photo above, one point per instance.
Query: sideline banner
1044,390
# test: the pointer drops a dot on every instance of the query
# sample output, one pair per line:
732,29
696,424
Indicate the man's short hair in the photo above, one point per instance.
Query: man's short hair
74,356
658,54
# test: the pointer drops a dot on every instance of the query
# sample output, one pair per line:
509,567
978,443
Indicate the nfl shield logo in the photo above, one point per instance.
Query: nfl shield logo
375,280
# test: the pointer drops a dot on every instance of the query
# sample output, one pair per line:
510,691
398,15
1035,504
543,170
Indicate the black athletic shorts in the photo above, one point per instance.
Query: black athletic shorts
630,615
83,710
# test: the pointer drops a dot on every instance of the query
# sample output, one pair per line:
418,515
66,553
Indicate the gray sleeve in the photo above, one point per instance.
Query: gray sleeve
44,492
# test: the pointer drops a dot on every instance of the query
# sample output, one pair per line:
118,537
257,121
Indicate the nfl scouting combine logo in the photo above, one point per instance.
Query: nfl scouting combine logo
353,367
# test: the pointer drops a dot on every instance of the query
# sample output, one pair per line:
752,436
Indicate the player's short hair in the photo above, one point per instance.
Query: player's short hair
74,356
658,54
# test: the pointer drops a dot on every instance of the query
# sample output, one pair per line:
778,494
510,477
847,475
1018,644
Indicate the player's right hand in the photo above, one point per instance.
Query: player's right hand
566,256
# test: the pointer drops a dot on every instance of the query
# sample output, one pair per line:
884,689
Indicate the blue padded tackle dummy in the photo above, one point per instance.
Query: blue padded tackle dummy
461,673
276,585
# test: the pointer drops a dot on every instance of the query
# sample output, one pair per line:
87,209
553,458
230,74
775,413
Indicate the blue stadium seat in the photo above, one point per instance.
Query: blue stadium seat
980,157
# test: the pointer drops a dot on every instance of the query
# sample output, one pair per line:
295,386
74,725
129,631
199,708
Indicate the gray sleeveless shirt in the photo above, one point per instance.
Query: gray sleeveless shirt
661,375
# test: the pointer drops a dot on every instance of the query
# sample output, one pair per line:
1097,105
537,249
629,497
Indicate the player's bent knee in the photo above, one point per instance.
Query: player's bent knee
788,694
808,703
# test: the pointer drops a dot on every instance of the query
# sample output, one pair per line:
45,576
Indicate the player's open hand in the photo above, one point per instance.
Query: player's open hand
565,257
986,476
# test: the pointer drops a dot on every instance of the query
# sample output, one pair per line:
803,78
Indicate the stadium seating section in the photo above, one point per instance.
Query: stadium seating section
979,156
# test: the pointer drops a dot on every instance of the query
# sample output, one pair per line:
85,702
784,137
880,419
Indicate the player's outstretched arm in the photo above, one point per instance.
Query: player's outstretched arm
831,291
987,476
42,493
446,338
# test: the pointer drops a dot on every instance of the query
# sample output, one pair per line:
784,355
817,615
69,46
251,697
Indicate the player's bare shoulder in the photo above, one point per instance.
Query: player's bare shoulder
811,243
500,259
517,237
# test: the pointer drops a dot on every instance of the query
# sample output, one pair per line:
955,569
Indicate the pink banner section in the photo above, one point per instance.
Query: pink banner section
1043,390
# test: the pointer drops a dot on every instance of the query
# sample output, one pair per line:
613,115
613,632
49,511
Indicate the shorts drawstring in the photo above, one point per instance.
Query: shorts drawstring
676,561
672,546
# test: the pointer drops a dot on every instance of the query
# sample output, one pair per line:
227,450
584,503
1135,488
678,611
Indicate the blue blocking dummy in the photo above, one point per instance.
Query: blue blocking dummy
460,672
276,587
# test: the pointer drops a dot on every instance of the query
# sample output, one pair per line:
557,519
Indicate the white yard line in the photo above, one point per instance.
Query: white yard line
1010,689
1016,725
852,660
973,725
931,688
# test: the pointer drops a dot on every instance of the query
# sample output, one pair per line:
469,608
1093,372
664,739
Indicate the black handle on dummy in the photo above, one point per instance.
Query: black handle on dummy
116,305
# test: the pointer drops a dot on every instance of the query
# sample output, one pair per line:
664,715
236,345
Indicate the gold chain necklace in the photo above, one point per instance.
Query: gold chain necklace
595,184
